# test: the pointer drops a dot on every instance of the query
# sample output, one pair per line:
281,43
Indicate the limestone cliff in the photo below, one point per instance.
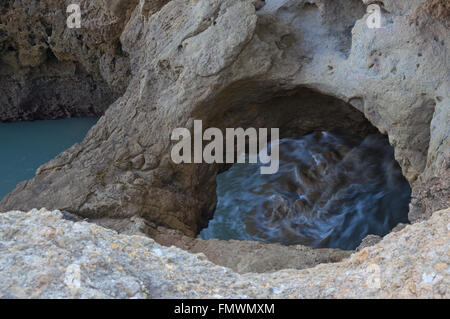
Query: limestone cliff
300,65
297,65
49,71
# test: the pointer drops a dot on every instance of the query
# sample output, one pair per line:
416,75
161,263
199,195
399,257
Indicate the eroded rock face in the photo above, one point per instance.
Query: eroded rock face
63,259
50,71
252,257
240,256
294,64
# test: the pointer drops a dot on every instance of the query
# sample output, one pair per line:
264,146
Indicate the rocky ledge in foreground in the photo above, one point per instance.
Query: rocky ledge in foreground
43,255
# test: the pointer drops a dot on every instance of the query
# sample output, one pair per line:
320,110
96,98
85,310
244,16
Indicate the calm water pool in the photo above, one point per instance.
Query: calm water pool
25,146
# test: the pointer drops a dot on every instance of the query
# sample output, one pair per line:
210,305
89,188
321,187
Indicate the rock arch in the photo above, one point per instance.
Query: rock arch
226,63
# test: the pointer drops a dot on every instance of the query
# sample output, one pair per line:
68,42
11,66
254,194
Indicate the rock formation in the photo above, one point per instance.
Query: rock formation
298,65
49,71
63,259
295,64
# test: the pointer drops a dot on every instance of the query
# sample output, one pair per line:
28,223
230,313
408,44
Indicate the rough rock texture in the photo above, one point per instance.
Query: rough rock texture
50,71
300,65
295,64
240,256
369,241
248,256
256,257
43,255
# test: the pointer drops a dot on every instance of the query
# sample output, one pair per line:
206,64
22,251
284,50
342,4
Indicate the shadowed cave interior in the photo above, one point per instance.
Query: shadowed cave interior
338,180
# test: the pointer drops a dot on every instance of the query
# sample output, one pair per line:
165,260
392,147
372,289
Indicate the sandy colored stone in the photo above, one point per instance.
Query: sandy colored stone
83,260
317,68
292,64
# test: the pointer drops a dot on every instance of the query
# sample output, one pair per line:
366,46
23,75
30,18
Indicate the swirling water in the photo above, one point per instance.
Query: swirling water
331,191
24,146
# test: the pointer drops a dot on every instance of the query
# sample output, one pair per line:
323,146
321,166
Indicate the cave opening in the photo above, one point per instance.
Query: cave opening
338,180
331,191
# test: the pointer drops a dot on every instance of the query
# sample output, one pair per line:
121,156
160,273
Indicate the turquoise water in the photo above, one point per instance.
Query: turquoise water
24,146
